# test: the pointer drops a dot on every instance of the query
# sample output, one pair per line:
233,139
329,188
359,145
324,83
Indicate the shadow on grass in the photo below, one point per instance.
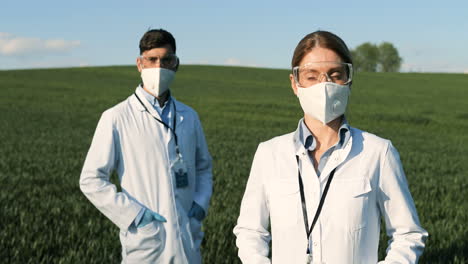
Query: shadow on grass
457,252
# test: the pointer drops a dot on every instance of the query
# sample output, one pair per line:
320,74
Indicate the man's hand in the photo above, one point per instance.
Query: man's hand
196,212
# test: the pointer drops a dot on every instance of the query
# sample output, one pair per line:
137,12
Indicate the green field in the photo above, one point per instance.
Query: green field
48,118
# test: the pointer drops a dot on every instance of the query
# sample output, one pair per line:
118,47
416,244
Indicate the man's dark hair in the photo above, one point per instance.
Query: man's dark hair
156,38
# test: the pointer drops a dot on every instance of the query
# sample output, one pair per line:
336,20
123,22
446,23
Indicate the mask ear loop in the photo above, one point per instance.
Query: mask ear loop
141,69
141,63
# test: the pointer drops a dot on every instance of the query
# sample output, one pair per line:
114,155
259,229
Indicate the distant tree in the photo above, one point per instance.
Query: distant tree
365,57
368,57
389,60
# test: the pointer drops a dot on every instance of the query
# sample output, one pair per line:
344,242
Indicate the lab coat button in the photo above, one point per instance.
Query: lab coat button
315,244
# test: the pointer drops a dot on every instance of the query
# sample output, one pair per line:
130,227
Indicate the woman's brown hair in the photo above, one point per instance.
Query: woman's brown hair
322,39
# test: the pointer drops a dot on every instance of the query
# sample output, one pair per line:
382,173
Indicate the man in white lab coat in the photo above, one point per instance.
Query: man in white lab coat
157,146
320,192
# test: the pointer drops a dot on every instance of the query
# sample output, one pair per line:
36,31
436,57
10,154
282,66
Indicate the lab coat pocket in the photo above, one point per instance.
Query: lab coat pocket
284,203
145,243
197,233
353,198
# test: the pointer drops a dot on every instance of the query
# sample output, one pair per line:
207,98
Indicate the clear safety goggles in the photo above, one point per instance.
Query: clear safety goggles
316,72
167,61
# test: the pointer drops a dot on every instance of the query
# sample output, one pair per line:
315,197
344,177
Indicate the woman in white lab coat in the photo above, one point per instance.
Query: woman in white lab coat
320,192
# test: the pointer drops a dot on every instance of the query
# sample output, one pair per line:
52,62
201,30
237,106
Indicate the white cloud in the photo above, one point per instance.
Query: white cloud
5,35
61,45
232,62
237,62
199,62
11,45
434,66
10,63
228,62
58,63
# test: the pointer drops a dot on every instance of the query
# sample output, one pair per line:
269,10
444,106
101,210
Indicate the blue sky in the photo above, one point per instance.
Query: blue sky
431,36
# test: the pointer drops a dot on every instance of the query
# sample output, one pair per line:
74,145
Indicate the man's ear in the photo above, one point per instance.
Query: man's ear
176,68
293,83
139,64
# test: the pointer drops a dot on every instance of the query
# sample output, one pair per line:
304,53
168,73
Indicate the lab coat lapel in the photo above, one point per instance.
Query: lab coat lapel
179,114
143,106
336,159
309,178
146,104
134,101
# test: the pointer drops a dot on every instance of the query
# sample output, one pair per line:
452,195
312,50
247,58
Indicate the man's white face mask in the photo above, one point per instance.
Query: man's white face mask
157,80
324,101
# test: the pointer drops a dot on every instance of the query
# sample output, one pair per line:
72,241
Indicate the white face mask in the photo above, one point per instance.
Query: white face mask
324,101
157,80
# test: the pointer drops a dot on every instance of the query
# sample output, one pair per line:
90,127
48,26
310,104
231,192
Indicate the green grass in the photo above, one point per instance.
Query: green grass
48,118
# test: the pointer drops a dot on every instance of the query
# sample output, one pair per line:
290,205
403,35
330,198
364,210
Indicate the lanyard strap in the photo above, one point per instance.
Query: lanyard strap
303,201
164,124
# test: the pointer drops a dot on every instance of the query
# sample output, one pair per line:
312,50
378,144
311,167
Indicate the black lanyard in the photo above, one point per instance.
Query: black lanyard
164,124
303,201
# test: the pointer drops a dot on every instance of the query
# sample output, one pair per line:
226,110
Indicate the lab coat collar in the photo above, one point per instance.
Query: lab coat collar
135,102
180,108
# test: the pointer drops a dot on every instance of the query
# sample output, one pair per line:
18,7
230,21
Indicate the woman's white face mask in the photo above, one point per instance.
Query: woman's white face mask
157,80
324,101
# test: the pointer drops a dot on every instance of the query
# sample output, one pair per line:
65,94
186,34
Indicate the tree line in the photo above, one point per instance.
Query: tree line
369,57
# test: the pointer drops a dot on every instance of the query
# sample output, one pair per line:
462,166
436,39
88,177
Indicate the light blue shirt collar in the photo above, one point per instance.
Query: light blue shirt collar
153,100
307,139
165,112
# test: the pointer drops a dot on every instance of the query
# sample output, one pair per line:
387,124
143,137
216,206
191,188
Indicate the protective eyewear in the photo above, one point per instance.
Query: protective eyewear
316,72
167,61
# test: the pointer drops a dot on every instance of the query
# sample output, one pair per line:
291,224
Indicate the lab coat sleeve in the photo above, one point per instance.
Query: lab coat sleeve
251,230
204,179
94,180
406,236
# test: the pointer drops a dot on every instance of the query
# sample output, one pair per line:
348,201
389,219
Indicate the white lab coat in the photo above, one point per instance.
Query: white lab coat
369,183
140,149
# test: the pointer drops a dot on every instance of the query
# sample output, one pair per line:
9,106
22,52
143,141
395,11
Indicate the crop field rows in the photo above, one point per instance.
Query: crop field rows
48,119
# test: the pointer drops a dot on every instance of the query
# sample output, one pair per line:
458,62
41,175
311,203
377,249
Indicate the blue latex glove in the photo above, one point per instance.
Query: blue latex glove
196,212
149,216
